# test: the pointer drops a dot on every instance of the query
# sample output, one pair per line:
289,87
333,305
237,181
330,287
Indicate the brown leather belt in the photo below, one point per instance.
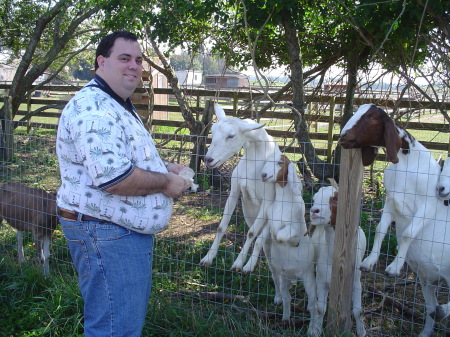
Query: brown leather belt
74,216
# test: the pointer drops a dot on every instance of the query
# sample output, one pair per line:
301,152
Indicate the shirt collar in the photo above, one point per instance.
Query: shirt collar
106,88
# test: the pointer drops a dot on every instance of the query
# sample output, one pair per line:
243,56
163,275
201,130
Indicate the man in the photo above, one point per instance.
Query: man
116,192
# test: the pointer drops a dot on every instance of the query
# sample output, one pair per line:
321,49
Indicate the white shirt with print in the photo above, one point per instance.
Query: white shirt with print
98,141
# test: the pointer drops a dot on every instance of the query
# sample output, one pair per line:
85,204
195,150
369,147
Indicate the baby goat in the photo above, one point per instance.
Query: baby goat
323,216
443,186
410,180
30,210
292,253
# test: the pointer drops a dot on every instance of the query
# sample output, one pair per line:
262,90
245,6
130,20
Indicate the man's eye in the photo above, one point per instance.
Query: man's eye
139,62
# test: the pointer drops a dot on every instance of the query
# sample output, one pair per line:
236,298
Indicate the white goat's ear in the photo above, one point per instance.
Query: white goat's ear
293,180
440,161
251,127
220,113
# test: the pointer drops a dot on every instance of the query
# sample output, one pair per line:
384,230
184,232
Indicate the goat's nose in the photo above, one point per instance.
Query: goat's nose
441,189
315,210
263,175
208,159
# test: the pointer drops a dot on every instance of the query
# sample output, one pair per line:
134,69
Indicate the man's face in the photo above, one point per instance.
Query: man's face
122,70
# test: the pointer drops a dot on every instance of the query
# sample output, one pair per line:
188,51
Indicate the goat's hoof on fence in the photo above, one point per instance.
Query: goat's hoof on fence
438,313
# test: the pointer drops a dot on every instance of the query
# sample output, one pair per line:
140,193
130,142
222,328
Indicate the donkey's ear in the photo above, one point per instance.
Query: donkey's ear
368,155
293,180
392,139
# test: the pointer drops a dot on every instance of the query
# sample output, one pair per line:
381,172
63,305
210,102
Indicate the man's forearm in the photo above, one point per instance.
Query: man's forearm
140,182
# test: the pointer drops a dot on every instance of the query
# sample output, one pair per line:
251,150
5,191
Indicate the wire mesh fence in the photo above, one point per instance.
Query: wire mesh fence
392,306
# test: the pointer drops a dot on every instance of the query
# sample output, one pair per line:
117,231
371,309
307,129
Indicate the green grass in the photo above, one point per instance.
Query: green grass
32,305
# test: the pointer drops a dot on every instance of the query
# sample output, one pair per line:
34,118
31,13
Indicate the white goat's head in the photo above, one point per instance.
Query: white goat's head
443,185
229,135
279,169
369,128
324,208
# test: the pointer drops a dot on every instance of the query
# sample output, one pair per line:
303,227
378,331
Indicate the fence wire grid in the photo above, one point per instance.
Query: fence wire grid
392,306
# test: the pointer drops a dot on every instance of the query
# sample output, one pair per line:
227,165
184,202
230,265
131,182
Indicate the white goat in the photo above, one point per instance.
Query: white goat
443,186
422,220
292,252
229,135
410,180
29,210
323,216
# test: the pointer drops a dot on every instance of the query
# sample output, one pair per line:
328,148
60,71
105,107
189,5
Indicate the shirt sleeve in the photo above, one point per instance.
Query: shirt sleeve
102,145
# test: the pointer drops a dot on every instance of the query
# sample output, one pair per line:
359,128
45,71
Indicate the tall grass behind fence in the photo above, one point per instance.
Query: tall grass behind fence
392,306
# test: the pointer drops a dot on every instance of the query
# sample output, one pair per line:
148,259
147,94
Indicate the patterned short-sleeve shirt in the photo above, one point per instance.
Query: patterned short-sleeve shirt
99,143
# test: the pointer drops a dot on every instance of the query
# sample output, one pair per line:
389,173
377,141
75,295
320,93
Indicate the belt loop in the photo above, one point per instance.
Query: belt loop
79,216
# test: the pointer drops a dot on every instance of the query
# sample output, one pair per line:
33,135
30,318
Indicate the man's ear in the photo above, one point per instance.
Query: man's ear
100,60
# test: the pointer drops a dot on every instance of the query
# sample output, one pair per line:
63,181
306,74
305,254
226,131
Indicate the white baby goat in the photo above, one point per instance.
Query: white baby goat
323,216
30,210
229,135
443,186
292,252
410,180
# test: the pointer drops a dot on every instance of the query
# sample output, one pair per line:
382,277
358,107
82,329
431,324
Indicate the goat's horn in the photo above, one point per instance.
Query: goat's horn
333,183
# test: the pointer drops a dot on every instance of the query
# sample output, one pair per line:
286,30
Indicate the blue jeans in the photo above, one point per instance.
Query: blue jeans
114,268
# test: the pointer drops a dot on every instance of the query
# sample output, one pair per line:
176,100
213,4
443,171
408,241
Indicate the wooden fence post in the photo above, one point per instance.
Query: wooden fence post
347,222
235,103
28,111
330,130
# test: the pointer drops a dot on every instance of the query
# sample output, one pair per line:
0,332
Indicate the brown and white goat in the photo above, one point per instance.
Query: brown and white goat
422,220
291,257
30,210
323,215
410,180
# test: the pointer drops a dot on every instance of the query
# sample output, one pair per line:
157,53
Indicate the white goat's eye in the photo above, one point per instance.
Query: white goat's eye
230,137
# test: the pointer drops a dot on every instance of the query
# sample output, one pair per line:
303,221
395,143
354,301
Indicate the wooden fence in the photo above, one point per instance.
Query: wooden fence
321,110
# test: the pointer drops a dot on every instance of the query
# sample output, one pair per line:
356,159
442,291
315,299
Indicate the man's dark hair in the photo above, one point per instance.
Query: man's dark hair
105,45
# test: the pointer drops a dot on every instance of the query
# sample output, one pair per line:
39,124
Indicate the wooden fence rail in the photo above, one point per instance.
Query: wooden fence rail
321,105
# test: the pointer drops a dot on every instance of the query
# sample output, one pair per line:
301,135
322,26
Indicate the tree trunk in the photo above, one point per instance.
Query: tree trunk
7,132
321,169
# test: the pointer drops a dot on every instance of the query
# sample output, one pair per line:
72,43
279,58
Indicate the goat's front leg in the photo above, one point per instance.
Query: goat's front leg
322,285
414,228
227,213
381,230
20,253
259,242
253,232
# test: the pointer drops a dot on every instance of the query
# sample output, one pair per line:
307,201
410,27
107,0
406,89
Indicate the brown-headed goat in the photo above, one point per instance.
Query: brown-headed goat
422,220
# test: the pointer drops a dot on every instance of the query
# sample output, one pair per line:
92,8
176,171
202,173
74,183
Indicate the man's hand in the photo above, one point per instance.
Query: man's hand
176,185
175,168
